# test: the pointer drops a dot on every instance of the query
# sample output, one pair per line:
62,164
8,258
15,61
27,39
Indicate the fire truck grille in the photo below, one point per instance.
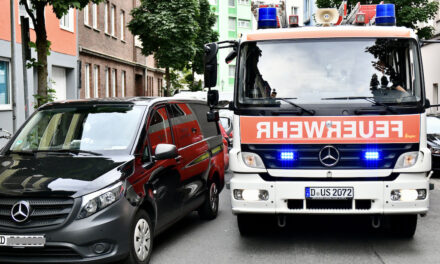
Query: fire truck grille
351,155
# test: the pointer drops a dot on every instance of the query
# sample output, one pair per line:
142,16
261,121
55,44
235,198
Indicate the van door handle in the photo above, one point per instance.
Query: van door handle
194,130
178,158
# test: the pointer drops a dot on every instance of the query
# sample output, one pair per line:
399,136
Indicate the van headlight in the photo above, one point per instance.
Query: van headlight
95,202
407,160
252,160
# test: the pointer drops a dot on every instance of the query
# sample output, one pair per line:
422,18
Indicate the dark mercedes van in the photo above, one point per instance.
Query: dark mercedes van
95,180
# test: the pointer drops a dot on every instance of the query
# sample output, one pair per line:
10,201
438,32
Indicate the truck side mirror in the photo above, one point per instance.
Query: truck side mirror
231,56
213,98
211,64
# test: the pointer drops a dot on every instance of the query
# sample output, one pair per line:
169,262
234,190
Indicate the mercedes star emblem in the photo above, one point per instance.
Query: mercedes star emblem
329,156
21,211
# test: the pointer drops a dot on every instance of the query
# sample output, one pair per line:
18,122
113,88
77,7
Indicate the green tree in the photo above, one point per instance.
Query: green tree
408,13
167,29
35,10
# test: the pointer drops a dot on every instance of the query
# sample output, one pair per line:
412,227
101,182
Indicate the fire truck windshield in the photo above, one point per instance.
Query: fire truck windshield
320,71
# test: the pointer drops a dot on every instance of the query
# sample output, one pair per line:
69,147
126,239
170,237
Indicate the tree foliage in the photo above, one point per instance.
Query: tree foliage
167,29
35,10
408,13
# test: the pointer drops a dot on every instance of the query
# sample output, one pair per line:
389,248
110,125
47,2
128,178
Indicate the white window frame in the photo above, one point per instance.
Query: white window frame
69,19
96,81
86,15
122,18
243,23
107,82
113,20
231,5
87,81
123,84
95,16
8,106
106,17
22,12
243,2
113,82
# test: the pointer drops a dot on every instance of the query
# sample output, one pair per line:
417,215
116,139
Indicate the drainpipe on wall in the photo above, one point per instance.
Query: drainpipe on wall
13,69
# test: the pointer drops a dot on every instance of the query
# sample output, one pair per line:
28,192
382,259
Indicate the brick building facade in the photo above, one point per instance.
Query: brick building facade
111,61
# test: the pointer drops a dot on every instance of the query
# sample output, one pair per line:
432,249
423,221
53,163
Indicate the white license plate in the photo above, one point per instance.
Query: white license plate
22,241
329,193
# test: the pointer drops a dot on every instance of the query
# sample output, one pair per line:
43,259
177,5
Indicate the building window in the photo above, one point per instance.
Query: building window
232,71
86,15
66,21
232,23
122,25
244,23
213,2
87,81
243,2
95,15
113,20
107,83
113,83
231,2
23,12
106,17
295,10
5,96
96,81
123,84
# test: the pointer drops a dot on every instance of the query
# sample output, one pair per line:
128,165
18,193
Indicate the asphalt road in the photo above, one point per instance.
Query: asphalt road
315,240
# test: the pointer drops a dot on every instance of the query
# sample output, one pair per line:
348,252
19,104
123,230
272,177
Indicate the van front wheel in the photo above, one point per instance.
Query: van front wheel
141,239
209,208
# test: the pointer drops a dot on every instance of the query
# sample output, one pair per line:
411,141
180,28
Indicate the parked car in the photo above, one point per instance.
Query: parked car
96,180
433,131
227,121
226,145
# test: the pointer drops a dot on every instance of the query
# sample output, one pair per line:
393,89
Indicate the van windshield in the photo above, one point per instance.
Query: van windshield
95,129
328,71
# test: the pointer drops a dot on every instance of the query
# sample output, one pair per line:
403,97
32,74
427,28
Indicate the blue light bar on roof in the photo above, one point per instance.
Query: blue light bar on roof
267,17
385,15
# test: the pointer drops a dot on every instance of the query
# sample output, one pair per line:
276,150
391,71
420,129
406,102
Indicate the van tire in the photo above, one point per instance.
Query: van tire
209,208
403,226
245,224
141,218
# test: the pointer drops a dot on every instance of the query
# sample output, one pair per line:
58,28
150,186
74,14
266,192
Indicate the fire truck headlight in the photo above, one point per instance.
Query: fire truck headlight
252,160
406,195
407,160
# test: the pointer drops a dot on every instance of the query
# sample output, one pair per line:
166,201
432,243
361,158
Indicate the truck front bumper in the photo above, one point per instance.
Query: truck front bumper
370,197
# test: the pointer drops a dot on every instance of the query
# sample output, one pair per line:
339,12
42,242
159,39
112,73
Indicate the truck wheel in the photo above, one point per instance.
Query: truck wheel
403,225
245,224
141,239
209,208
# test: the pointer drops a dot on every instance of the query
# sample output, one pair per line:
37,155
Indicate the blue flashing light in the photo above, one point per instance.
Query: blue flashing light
267,17
371,155
288,155
385,15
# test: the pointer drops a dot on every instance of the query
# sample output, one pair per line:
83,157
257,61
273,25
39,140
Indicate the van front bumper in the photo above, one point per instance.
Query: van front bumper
374,196
76,240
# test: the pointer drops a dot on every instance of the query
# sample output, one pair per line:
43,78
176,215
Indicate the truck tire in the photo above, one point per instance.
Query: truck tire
403,226
246,224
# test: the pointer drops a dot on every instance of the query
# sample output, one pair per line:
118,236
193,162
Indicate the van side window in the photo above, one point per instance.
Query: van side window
159,131
209,129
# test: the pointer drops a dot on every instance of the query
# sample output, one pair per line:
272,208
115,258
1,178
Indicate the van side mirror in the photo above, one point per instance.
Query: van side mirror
165,151
210,60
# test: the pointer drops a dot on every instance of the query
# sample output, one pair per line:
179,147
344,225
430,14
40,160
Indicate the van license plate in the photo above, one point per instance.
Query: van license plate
334,193
22,241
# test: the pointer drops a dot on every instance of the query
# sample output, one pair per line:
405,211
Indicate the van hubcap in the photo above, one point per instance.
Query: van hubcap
142,239
213,196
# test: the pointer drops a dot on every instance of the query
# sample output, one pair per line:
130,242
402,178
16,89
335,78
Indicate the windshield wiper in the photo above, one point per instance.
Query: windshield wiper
366,98
310,112
74,151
